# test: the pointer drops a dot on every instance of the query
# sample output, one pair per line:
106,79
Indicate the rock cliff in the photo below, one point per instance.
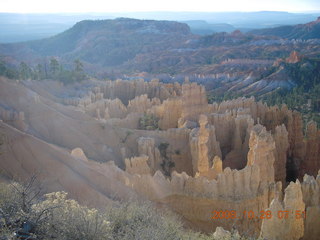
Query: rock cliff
238,155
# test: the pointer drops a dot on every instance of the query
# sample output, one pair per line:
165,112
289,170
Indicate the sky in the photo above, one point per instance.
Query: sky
54,6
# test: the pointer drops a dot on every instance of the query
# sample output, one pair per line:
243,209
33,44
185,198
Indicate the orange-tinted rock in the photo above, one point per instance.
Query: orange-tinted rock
194,102
311,163
204,146
138,165
293,58
281,226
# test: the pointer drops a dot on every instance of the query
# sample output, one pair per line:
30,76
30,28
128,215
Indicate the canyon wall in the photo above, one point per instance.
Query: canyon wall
201,159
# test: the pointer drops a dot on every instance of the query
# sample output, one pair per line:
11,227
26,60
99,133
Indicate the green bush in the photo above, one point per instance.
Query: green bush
148,122
54,216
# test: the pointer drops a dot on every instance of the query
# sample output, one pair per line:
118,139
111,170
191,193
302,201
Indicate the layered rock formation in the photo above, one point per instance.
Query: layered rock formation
311,164
204,147
311,197
127,90
287,221
194,103
146,146
238,155
172,106
13,117
253,186
137,165
282,145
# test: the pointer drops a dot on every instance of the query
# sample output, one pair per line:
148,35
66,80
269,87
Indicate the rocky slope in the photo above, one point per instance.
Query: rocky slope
111,48
240,155
306,31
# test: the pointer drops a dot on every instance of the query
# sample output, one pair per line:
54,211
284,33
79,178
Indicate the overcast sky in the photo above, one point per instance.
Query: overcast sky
26,6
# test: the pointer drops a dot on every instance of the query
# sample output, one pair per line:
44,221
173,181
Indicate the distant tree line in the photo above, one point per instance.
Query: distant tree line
7,71
305,101
304,97
48,70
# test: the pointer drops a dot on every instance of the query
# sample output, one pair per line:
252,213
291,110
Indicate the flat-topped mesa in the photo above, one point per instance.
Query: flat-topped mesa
194,103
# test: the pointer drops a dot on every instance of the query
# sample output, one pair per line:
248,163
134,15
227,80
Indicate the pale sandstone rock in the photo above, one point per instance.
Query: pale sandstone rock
146,146
244,103
187,124
312,223
293,201
282,145
274,228
168,113
131,121
221,234
204,146
251,188
290,227
217,164
194,102
138,165
224,124
261,152
236,158
128,90
106,114
16,118
79,154
139,104
311,191
311,163
98,116
311,197
109,108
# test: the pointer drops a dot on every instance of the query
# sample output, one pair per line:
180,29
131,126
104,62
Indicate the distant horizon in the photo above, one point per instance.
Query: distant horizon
128,6
166,11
